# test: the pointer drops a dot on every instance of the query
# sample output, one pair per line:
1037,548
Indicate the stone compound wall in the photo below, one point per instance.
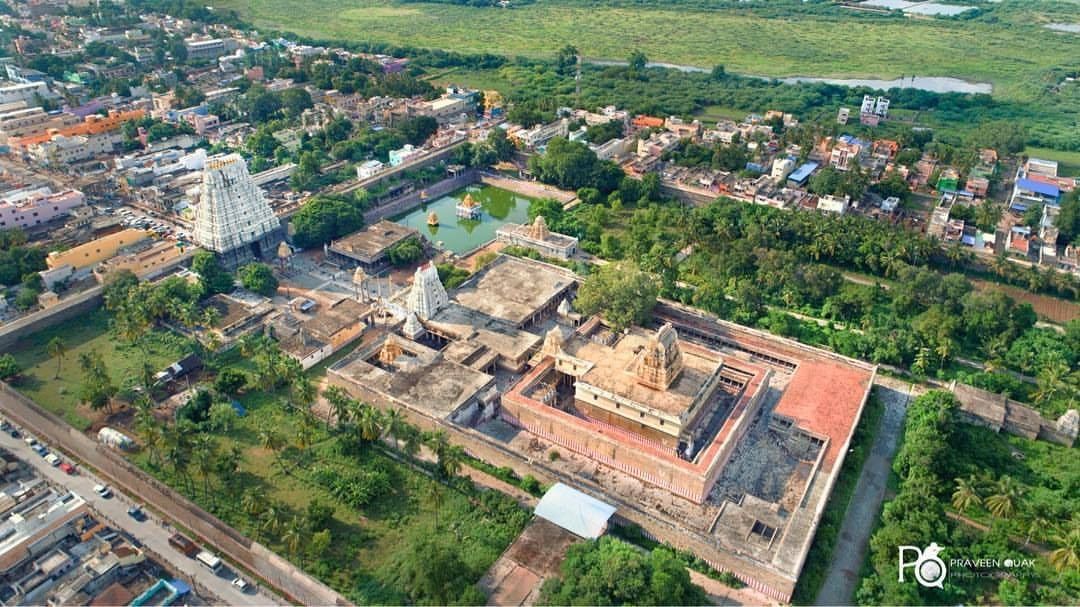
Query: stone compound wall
279,573
658,527
66,309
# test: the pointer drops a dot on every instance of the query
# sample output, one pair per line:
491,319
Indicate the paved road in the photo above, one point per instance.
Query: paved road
865,506
150,532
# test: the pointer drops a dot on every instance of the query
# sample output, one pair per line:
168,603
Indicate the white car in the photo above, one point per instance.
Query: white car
240,583
103,491
53,459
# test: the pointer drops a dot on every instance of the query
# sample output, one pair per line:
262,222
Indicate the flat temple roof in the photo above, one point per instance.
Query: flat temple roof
425,380
513,289
372,240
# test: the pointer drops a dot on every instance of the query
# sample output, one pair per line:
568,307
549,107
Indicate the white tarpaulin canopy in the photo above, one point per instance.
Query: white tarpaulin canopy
575,511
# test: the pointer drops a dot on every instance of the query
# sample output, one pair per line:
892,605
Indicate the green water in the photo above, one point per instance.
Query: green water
463,235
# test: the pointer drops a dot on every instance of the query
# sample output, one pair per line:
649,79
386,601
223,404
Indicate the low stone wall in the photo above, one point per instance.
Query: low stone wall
280,574
66,309
693,196
662,529
408,202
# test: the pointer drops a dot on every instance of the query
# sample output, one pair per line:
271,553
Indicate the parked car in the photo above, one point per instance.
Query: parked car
40,449
136,513
68,468
103,490
240,583
53,459
14,433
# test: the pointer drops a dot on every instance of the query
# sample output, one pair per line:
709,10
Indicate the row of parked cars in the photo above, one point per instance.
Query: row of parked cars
135,220
53,459
178,541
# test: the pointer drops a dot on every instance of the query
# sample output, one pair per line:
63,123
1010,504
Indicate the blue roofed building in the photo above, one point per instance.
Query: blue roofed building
1029,192
801,175
1037,183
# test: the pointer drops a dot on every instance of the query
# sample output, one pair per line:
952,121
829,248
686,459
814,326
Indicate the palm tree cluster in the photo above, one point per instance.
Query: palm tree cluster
368,424
274,369
138,306
1003,499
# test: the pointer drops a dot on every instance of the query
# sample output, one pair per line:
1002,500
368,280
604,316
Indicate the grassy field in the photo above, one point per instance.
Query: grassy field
1014,54
715,113
88,333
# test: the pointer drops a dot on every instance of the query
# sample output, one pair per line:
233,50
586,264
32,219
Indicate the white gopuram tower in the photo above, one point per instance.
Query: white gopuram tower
427,295
233,219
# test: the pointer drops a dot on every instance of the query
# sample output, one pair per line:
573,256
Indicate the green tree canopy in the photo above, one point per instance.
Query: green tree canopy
612,572
621,291
258,277
324,218
212,275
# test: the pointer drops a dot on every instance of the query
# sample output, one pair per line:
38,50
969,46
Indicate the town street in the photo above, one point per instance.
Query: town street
152,532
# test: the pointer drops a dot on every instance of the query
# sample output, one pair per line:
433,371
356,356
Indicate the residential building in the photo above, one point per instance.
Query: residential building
834,204
405,154
31,207
368,169
209,48
26,92
782,168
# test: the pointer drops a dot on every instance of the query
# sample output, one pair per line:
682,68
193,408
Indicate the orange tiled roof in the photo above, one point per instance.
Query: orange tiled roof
647,121
824,397
92,125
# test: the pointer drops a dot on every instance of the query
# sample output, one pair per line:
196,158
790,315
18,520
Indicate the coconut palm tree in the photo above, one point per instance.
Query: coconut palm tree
1003,502
967,493
204,456
273,517
339,405
303,392
253,503
57,349
368,422
394,425
152,436
451,460
1050,381
434,496
293,537
270,439
449,457
305,430
1067,554
412,440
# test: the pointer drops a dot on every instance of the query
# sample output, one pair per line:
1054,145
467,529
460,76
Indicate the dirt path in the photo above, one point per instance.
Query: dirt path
865,506
724,595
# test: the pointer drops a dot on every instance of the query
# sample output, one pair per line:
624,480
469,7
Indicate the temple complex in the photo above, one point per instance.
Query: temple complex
716,438
232,218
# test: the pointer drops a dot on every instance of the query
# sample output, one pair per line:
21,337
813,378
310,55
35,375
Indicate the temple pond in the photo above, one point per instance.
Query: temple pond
460,235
